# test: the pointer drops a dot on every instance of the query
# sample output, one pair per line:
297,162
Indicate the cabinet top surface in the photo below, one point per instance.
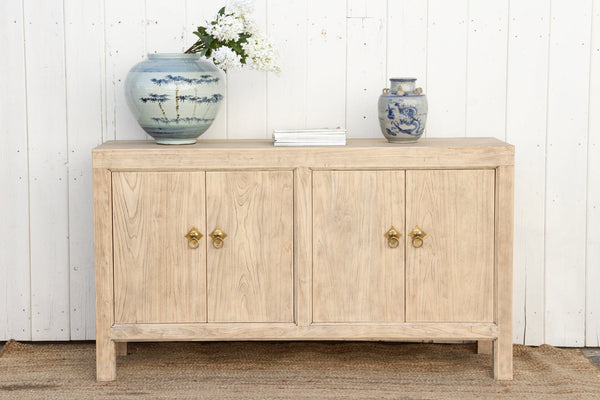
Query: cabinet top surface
357,154
150,145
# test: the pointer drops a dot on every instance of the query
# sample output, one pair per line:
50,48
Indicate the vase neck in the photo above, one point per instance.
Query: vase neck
407,85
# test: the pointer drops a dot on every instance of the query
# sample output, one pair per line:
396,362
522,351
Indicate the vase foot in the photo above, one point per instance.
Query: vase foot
402,141
176,141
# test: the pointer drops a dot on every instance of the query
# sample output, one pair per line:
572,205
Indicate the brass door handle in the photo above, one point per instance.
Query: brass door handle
218,237
393,237
417,236
194,238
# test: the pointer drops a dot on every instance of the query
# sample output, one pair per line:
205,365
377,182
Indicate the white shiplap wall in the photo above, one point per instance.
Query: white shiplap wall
524,71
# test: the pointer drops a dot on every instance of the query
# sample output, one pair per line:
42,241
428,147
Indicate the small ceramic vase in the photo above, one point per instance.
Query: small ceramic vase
174,97
402,111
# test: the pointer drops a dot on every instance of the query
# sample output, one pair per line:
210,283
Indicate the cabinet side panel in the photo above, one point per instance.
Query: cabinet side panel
357,277
450,278
158,277
250,279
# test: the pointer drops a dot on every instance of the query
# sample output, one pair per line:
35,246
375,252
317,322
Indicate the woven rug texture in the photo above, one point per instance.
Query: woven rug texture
293,370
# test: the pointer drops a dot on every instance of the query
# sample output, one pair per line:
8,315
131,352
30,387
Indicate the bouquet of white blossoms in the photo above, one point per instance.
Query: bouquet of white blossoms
233,40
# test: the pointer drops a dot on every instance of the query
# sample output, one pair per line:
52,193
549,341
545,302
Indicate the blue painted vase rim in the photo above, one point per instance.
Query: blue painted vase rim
172,55
404,95
403,79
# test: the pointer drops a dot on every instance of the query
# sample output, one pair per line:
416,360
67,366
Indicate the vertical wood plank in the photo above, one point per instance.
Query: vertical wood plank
165,26
250,278
592,324
125,33
407,40
527,79
14,213
158,278
357,280
568,95
503,346
326,86
46,104
365,67
303,246
247,94
486,66
197,12
106,363
286,93
450,281
447,68
85,106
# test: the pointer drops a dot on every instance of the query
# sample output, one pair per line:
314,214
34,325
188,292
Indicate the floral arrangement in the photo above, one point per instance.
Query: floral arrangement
233,40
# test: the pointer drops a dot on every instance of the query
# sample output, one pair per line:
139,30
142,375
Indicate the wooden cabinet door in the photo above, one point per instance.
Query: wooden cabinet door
451,277
250,278
158,278
357,277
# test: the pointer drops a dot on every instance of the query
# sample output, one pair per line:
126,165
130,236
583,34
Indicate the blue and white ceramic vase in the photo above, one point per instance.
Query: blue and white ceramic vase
402,111
175,97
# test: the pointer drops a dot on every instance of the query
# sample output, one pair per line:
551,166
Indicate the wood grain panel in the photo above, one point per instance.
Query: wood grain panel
303,246
486,65
592,322
503,349
282,331
257,154
447,46
85,106
15,301
125,35
527,84
566,171
158,278
106,366
48,169
250,279
450,278
356,276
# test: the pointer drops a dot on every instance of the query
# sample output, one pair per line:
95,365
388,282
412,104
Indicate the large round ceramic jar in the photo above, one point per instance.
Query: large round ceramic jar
402,111
175,97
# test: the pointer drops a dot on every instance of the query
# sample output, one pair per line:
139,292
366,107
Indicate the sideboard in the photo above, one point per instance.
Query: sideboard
239,240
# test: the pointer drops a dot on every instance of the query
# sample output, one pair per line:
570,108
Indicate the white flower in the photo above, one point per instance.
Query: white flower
261,54
225,58
251,27
226,28
240,7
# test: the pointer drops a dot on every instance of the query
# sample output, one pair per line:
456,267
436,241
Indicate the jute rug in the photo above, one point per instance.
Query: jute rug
296,370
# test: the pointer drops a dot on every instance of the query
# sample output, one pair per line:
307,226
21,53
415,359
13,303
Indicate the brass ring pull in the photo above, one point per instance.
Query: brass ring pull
417,236
218,237
393,237
193,237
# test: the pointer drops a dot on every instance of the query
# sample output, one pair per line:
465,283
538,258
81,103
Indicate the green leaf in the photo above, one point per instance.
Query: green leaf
207,39
236,47
222,11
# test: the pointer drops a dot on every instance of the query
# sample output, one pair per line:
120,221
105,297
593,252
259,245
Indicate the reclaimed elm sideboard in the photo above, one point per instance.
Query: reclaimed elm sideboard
239,240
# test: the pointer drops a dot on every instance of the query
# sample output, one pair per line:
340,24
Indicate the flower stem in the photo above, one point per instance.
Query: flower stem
196,47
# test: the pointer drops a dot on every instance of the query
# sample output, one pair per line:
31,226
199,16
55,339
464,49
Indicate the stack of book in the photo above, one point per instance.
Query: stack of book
309,137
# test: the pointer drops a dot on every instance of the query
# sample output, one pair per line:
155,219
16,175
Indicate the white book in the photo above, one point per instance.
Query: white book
298,144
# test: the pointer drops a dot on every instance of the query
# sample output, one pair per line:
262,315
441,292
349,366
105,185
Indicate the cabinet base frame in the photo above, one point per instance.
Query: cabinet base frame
285,331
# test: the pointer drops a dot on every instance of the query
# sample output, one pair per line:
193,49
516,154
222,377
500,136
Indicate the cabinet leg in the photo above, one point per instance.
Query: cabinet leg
484,346
121,348
106,360
503,358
